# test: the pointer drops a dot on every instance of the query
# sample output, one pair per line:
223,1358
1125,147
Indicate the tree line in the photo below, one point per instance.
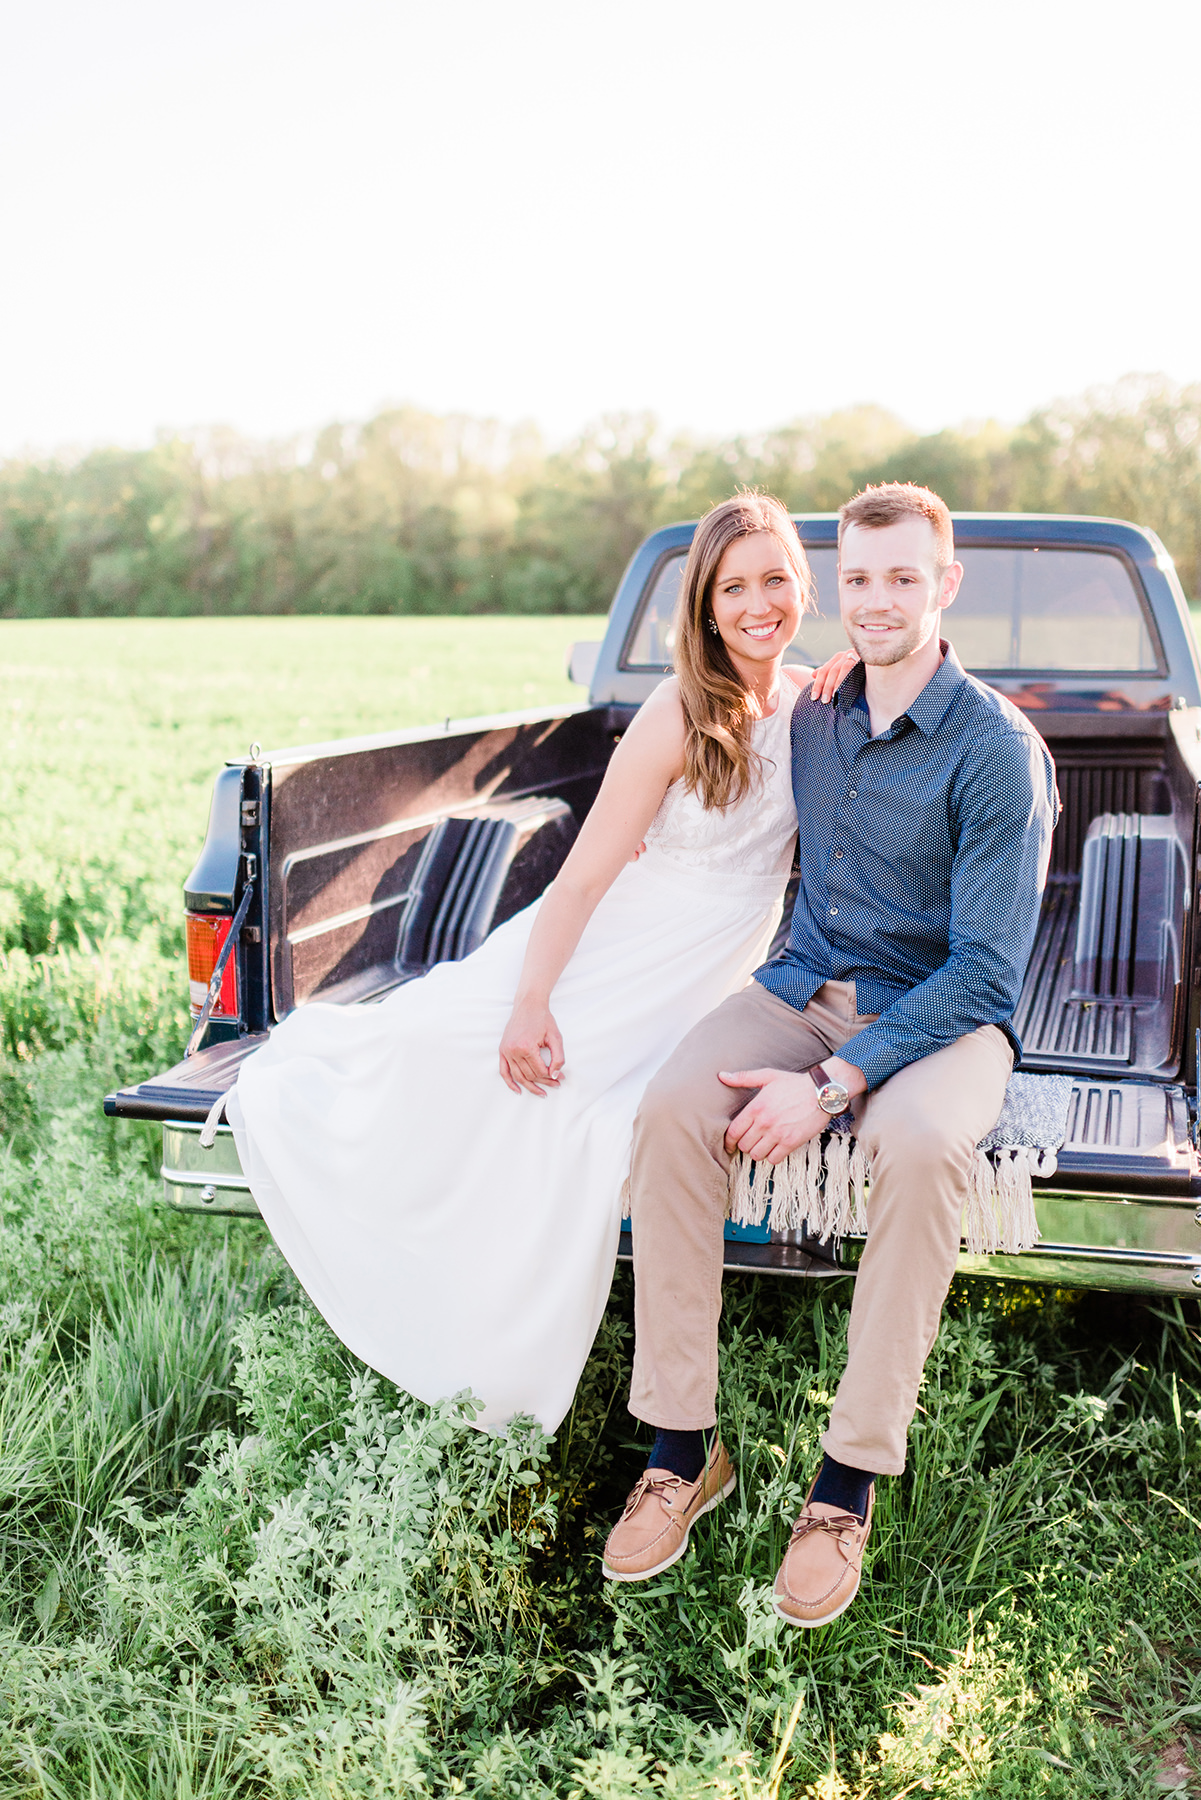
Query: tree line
416,513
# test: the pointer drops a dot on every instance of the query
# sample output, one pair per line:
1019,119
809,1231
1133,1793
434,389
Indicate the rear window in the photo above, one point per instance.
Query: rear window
1020,609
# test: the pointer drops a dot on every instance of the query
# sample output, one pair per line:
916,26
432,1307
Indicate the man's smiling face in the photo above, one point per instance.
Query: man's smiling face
891,590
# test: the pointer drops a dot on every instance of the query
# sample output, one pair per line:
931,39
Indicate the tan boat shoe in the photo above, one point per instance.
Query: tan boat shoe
819,1576
652,1532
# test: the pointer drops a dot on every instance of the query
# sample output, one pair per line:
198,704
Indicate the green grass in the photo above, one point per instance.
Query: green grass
234,1563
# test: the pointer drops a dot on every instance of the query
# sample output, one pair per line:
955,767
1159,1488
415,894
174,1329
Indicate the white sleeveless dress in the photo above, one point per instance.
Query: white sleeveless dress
456,1235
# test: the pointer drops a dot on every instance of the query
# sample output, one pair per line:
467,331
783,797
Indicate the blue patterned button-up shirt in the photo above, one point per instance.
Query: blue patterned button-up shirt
923,855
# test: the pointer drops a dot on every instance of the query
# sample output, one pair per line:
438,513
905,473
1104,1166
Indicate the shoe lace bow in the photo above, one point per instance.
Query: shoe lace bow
836,1524
662,1486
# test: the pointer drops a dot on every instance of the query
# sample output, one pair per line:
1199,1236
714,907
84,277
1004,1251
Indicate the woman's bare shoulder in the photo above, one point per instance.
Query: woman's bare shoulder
657,731
666,698
663,712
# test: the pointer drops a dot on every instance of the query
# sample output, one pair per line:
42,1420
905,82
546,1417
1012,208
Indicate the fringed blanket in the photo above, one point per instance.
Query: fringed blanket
822,1187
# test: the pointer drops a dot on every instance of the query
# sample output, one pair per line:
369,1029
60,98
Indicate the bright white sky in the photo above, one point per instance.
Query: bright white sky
270,213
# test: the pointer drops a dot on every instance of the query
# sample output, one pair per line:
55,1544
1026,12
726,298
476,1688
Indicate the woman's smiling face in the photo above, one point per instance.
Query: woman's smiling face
756,601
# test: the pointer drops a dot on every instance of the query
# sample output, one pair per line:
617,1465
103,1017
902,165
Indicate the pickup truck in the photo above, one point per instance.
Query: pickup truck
337,870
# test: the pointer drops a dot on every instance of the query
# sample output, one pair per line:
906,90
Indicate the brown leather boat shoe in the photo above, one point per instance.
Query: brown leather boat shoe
819,1576
652,1532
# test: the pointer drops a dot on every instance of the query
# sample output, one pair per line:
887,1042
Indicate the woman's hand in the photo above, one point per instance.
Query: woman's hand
829,678
531,1050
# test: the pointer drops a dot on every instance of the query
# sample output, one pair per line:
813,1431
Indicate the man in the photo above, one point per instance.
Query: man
926,804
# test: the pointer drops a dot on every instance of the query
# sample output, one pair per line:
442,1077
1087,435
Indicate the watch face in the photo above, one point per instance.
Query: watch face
833,1098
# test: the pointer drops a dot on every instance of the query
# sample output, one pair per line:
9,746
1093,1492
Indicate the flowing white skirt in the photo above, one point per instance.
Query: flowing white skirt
453,1234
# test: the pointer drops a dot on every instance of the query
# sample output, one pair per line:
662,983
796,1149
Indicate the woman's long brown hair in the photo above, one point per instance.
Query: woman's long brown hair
719,762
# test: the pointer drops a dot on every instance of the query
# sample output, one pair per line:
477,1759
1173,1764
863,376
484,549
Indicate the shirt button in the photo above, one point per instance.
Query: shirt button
837,855
852,794
833,912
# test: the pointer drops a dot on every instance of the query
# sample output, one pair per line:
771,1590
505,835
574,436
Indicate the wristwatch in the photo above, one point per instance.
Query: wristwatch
832,1097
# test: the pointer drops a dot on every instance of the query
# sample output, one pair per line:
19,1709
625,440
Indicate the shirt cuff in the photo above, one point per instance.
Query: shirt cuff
875,1054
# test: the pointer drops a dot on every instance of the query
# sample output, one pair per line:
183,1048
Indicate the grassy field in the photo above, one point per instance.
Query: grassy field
237,1564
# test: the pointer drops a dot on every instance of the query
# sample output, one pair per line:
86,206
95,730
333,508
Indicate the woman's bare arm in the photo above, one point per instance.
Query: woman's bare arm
643,766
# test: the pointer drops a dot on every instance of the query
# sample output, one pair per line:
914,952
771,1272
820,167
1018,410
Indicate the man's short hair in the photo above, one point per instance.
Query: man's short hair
893,501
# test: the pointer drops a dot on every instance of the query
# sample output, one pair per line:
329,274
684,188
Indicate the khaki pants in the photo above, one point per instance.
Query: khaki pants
919,1130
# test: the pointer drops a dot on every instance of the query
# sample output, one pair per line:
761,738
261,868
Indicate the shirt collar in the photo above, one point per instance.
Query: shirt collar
930,707
850,689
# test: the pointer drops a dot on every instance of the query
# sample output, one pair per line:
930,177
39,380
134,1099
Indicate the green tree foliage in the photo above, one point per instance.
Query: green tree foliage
1132,451
414,513
581,515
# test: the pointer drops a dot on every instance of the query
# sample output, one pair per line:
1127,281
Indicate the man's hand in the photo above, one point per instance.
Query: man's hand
784,1113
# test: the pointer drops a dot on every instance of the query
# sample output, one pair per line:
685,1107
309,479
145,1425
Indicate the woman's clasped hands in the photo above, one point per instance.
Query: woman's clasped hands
531,1049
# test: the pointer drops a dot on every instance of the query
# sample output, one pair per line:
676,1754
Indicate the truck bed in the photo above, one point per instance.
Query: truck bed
1103,987
363,862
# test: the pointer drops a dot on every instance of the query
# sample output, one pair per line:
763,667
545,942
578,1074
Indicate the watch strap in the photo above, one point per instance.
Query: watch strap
822,1078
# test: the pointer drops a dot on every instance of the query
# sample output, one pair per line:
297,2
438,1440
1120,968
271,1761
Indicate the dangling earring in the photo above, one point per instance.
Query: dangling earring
712,624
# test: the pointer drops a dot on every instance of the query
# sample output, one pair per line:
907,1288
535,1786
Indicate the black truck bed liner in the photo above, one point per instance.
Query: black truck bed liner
188,1090
1101,989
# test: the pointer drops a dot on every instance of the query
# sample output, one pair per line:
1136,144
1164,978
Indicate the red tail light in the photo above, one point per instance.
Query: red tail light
205,934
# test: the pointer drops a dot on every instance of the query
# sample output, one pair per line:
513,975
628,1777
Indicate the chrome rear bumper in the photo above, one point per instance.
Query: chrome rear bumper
206,1181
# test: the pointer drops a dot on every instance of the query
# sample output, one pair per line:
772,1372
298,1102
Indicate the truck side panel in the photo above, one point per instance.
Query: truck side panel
349,836
373,860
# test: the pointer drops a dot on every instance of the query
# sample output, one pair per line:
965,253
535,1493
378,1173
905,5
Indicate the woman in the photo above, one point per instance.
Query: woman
457,1235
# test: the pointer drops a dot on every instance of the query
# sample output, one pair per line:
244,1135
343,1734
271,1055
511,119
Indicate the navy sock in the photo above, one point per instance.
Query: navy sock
838,1485
685,1453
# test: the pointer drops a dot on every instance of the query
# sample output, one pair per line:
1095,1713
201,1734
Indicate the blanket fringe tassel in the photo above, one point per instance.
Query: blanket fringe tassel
821,1189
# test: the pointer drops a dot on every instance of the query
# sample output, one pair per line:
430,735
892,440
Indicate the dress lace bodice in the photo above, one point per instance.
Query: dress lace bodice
752,839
